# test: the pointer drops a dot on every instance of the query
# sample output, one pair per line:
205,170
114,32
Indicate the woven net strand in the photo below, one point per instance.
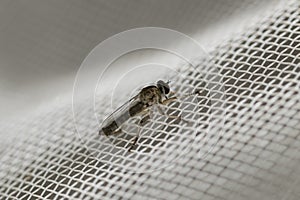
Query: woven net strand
257,156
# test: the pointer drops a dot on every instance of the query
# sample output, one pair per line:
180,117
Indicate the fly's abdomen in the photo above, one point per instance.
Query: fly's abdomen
112,125
136,109
115,124
110,129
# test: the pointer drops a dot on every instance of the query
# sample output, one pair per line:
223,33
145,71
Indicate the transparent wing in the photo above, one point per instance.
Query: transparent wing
120,113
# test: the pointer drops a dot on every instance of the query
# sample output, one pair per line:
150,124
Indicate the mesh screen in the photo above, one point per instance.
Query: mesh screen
250,151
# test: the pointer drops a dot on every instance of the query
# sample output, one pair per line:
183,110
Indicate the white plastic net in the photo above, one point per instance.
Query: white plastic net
251,150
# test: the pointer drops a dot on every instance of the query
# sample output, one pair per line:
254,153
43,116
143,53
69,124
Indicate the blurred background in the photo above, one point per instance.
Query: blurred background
43,43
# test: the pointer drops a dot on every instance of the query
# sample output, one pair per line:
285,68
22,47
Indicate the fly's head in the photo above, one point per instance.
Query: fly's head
163,87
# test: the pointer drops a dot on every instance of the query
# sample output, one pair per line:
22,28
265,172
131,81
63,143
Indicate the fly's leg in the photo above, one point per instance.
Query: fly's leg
160,110
171,93
116,132
142,122
169,100
174,98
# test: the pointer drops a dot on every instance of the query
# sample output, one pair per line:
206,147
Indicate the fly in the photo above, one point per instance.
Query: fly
140,106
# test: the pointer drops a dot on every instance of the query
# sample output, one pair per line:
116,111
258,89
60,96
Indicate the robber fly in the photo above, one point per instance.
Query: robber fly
139,106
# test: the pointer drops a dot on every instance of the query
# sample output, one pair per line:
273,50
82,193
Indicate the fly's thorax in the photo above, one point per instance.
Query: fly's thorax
150,96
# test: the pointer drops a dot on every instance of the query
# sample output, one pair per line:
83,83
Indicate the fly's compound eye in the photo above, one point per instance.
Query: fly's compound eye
163,87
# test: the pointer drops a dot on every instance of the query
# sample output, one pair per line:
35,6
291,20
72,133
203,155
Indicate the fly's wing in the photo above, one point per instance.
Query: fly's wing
120,115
